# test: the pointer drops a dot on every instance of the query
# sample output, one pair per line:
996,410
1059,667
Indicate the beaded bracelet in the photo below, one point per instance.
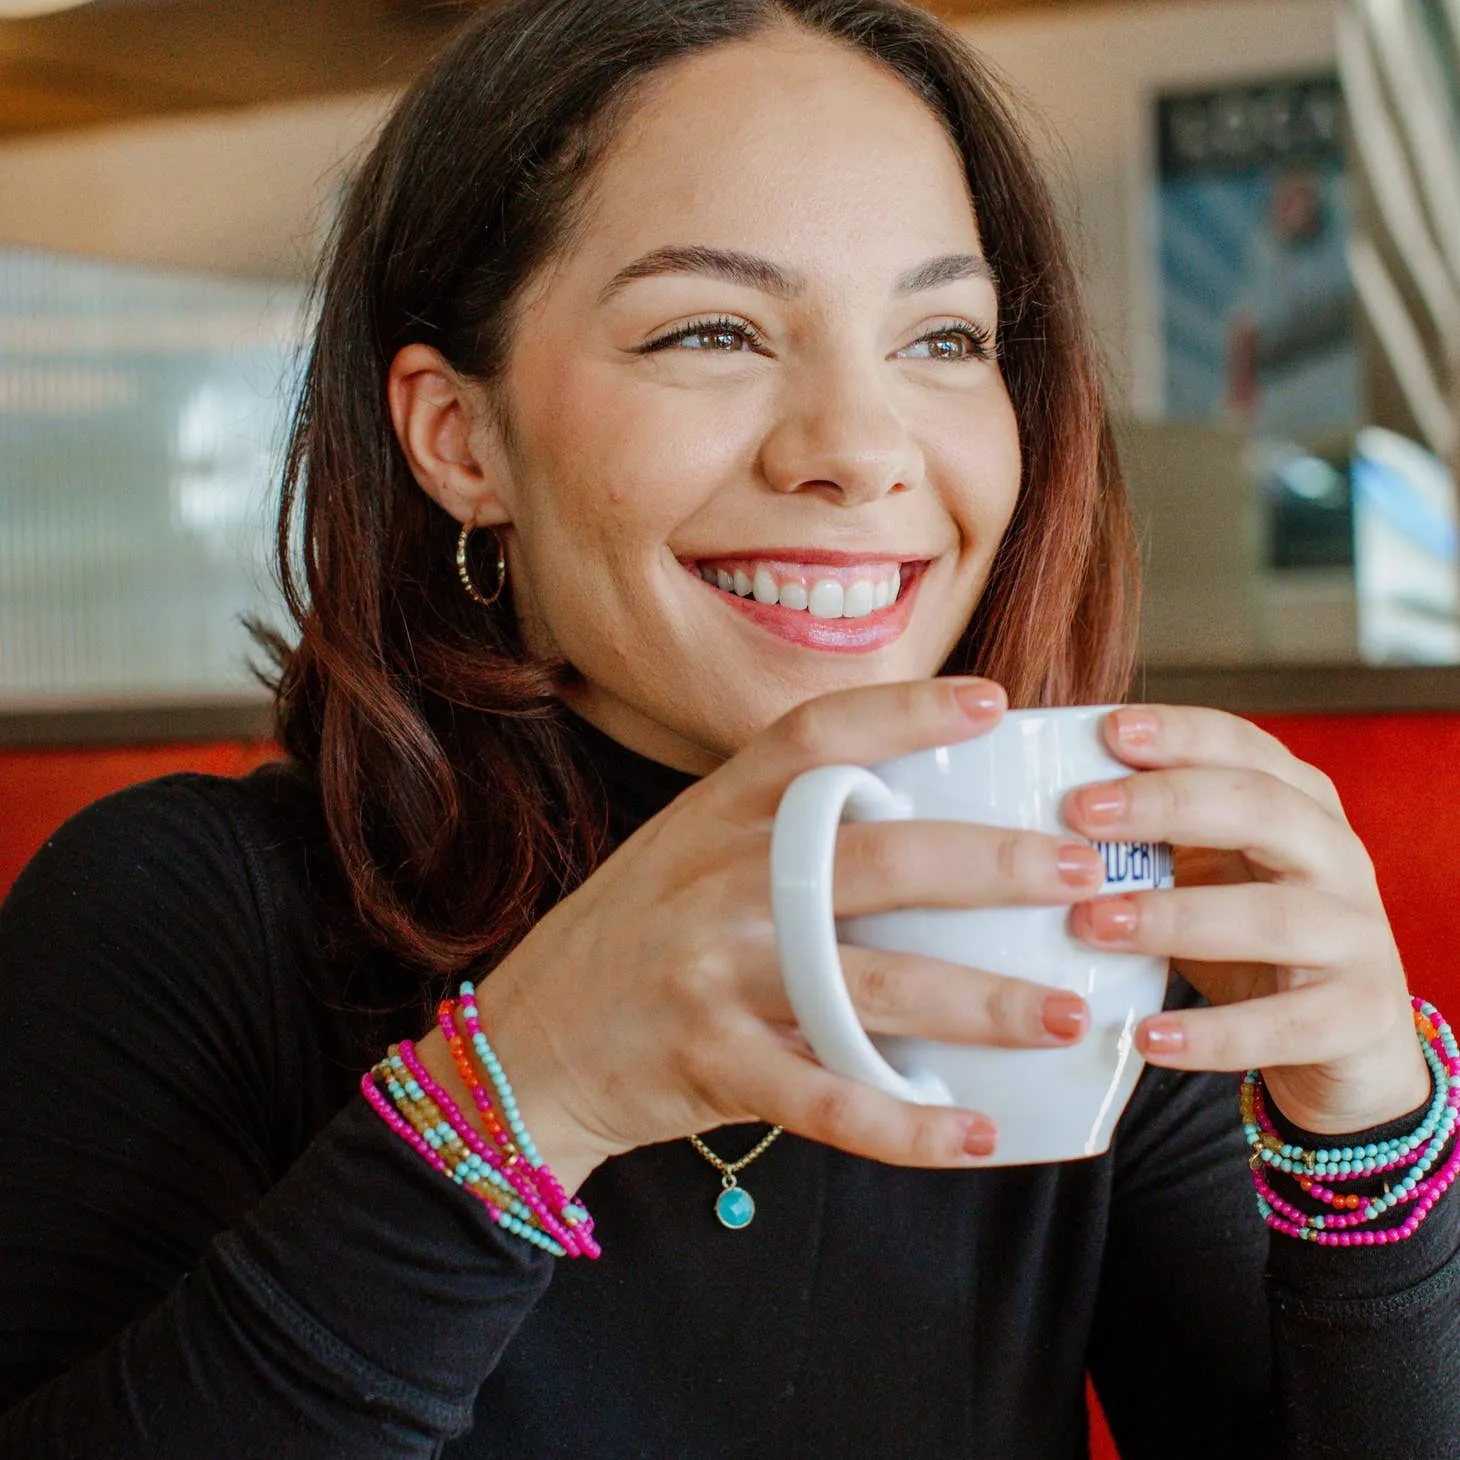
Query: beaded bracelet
515,1143
420,1122
1317,1172
493,1067
560,1219
506,1174
505,1164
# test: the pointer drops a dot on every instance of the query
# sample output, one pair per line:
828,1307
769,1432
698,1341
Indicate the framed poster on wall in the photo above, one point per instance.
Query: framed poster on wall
1252,219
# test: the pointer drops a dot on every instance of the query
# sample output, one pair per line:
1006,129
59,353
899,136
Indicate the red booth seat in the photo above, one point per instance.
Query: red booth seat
1399,776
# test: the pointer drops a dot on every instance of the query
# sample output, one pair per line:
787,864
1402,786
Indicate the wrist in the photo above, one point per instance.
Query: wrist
1388,1085
569,1152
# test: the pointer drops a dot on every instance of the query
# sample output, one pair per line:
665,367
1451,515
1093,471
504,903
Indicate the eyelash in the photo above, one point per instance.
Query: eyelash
721,324
980,340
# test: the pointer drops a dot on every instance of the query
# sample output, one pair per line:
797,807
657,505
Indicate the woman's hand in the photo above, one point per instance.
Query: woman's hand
648,1004
1276,918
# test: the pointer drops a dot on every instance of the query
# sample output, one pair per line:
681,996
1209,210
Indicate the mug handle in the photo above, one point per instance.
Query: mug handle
803,850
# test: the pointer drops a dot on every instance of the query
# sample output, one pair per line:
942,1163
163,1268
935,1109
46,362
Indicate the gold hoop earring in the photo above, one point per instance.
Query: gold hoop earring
464,572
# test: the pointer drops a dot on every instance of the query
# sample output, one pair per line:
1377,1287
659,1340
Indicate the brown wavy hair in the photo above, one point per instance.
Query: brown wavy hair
455,808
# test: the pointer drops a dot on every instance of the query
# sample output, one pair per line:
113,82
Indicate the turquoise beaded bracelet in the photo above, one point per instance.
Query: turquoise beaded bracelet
1348,1221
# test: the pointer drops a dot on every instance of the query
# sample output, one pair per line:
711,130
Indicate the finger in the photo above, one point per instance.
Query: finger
1252,922
1320,1023
1149,736
1273,824
900,993
948,864
808,1100
909,994
861,727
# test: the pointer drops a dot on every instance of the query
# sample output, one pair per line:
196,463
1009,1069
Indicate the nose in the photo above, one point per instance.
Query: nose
838,433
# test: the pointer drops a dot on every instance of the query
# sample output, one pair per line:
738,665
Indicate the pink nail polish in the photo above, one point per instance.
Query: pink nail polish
1079,865
980,1138
1113,919
979,699
1106,804
1137,729
1064,1016
1162,1036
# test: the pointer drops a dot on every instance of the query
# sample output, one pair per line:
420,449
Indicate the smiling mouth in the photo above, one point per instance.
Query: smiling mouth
844,588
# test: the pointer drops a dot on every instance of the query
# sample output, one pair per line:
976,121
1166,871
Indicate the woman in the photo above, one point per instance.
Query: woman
682,300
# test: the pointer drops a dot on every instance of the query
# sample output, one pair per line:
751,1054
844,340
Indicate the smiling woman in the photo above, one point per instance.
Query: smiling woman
700,395
804,379
770,337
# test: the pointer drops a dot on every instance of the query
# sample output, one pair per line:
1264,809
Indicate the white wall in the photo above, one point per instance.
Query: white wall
242,191
1091,74
237,192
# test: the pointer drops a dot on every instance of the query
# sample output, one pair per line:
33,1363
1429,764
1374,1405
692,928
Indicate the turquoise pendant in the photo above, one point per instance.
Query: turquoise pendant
735,1206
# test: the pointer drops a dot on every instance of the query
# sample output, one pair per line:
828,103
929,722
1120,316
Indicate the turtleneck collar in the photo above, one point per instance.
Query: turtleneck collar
635,787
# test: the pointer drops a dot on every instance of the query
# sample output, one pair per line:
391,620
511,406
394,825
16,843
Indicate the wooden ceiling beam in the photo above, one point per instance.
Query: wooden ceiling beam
143,59
101,64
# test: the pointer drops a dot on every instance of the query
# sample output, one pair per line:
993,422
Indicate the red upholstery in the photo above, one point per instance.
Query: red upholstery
1399,776
39,789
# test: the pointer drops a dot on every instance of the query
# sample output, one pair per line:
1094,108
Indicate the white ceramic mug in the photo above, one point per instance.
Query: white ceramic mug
1049,1104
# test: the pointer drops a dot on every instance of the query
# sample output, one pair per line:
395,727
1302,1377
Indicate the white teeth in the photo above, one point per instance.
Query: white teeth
825,598
794,595
858,602
828,598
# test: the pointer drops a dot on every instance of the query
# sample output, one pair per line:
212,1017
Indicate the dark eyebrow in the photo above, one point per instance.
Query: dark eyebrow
720,263
753,272
947,270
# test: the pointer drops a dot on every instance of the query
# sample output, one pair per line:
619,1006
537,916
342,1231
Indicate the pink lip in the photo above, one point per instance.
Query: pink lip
875,631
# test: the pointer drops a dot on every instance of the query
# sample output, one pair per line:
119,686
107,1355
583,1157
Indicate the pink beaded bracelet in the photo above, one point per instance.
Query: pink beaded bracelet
522,1195
1349,1220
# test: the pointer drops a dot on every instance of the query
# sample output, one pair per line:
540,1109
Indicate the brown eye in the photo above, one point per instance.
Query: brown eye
715,339
713,336
953,344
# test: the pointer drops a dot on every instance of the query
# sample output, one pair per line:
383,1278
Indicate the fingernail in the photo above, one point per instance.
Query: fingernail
1162,1036
980,1138
1137,729
1064,1016
979,698
1112,919
1107,803
1079,864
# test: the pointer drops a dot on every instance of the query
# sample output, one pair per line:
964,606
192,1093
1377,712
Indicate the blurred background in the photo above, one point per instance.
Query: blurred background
1266,196
1266,193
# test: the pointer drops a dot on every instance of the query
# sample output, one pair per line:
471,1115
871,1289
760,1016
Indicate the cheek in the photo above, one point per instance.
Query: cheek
979,458
623,463
610,472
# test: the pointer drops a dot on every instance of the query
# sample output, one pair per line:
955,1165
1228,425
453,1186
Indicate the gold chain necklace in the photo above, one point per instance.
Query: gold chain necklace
735,1206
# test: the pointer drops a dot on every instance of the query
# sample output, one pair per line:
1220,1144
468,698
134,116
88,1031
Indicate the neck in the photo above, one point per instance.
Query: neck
643,736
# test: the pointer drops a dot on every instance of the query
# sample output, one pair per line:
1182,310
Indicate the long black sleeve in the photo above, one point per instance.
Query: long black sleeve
1341,1352
168,1285
210,1246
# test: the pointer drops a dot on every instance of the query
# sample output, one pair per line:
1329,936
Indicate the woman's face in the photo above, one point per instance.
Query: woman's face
755,398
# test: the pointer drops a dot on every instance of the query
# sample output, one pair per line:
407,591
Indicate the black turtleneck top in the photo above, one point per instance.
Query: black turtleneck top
211,1247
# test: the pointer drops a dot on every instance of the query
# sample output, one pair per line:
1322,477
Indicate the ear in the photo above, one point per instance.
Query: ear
449,436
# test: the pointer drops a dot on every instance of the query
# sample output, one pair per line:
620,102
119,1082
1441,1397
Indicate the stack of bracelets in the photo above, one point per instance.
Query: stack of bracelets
505,1174
1405,1168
